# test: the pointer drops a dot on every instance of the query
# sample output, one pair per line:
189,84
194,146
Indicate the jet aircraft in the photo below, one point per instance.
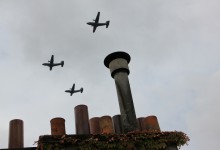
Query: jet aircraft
51,63
72,90
96,23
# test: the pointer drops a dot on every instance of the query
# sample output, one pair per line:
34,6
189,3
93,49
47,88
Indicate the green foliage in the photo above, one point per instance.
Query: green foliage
145,140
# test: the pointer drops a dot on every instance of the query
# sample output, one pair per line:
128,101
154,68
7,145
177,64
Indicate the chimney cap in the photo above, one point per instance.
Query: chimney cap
116,55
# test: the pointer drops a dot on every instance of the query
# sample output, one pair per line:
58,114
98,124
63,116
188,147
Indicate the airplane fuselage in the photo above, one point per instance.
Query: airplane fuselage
75,91
51,65
96,24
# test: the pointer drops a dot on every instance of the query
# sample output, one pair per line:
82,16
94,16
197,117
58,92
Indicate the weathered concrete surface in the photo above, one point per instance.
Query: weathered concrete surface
118,64
57,126
16,134
117,61
82,119
125,100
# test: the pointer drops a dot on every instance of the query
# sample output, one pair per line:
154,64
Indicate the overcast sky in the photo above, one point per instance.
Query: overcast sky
174,68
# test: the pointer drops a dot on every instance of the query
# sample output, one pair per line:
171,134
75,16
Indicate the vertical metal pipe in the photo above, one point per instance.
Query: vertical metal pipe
16,134
117,124
118,64
57,126
94,125
106,125
82,119
151,123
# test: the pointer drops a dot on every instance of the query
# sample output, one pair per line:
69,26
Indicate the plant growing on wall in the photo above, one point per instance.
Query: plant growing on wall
145,140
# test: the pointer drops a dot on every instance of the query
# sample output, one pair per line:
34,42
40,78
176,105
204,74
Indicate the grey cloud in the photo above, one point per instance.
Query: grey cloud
174,63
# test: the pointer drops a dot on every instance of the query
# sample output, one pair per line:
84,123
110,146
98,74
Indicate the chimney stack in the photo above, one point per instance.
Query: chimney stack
94,125
16,134
82,119
140,122
151,123
57,126
106,125
117,124
117,62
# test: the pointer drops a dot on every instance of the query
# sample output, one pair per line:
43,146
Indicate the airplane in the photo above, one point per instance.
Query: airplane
72,90
96,23
51,63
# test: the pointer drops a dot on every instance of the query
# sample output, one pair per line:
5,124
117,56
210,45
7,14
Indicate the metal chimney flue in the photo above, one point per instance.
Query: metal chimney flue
117,62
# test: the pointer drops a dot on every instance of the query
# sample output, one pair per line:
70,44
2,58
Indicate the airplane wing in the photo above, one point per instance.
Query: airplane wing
97,18
46,64
94,28
51,59
73,87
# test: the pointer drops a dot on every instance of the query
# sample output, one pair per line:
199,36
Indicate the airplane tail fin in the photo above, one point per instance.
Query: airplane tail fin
62,63
81,90
107,24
